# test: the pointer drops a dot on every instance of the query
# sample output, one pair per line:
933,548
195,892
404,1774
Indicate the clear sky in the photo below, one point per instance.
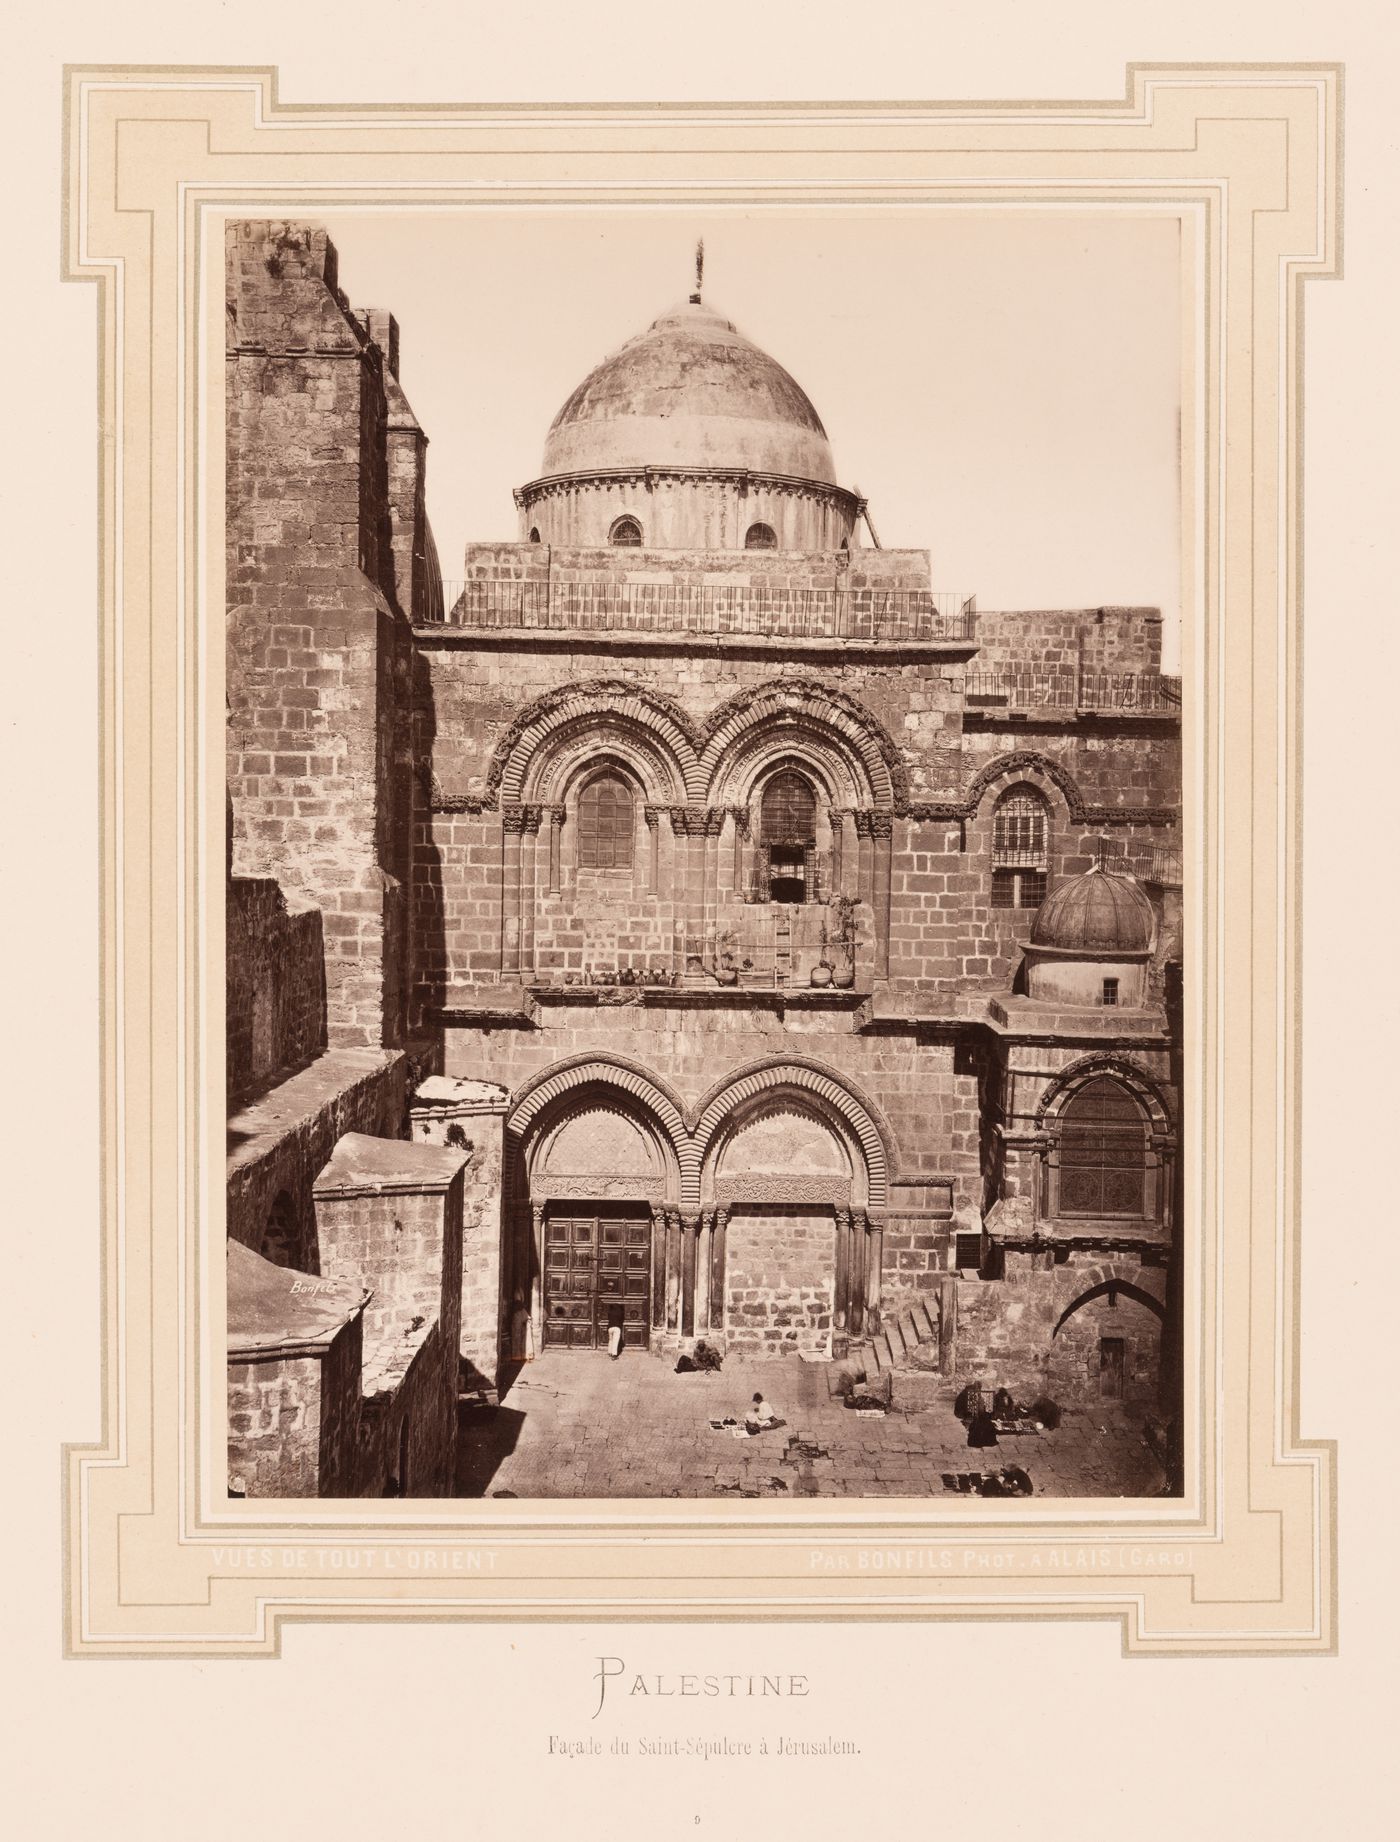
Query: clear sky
1003,386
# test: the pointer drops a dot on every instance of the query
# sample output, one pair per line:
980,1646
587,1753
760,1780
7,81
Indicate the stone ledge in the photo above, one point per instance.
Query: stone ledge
254,1129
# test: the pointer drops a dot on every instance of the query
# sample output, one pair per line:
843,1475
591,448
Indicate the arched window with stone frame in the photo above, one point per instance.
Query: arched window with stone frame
606,823
1020,848
1103,1168
788,838
760,537
625,531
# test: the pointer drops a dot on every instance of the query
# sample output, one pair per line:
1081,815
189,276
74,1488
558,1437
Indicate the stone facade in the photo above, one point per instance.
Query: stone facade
755,1049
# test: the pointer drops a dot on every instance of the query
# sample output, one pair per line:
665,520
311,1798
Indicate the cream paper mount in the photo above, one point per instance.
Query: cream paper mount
159,1562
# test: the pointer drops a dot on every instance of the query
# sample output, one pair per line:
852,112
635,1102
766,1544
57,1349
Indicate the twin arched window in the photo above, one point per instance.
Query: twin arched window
625,531
1020,849
606,824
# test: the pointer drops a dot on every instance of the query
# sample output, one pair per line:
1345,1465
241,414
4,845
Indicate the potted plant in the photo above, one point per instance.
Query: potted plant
727,972
843,911
823,971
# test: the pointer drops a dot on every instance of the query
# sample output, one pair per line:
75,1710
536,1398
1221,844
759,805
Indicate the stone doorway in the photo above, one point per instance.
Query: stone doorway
596,1255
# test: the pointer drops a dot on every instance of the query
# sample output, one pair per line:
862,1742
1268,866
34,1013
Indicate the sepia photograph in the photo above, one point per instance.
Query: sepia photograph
704,941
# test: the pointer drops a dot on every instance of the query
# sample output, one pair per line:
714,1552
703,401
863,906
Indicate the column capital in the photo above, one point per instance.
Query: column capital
513,818
862,818
557,815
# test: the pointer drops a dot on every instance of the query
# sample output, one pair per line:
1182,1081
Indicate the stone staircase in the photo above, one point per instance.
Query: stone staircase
899,1336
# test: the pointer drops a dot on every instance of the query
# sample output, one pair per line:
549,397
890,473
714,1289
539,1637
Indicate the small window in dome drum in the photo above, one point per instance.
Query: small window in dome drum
625,531
760,537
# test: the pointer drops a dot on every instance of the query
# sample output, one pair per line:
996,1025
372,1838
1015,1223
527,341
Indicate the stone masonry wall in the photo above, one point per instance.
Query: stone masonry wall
275,1010
294,1421
279,1144
314,639
780,1267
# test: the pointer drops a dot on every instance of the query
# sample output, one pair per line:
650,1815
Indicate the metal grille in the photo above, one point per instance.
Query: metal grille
626,531
789,811
1018,888
1019,830
605,825
760,537
1103,1152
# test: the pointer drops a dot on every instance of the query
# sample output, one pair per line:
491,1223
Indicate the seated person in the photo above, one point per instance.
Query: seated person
982,1429
1003,1407
761,1417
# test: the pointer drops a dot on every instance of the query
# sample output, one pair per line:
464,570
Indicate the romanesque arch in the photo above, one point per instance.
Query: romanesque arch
575,1081
821,1088
1067,1083
851,742
1038,771
656,725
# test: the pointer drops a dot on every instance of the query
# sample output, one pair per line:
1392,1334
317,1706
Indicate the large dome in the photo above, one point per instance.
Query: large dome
691,391
1101,912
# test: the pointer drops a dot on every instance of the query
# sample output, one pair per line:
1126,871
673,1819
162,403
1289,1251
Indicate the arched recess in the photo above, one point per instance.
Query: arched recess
1068,1082
571,1085
830,720
819,1088
1110,1289
1150,1164
1038,771
655,726
578,749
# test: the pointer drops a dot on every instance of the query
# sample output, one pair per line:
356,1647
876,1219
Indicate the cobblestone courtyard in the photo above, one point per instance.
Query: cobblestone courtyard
575,1424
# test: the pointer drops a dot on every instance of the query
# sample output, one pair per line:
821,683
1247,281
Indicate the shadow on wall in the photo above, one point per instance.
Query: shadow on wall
427,920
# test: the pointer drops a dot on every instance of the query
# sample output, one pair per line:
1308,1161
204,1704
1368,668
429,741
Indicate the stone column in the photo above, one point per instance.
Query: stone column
690,1236
673,1269
865,851
687,826
841,1296
714,828
855,1311
530,818
882,826
742,827
704,1229
556,827
537,1273
717,1237
652,816
874,1268
836,819
658,1269
512,825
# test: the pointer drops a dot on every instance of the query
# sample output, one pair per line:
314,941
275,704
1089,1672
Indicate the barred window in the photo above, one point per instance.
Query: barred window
760,537
625,531
605,824
1103,1152
788,837
1020,849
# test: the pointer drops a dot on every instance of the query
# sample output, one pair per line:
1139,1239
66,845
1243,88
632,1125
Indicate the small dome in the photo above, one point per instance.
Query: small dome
1100,912
691,391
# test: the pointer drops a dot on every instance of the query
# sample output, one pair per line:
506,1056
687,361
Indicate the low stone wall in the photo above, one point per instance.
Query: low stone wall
408,1436
293,1421
1028,1331
280,1143
275,1007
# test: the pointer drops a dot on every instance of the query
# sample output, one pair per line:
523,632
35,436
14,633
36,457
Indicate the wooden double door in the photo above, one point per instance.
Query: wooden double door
595,1257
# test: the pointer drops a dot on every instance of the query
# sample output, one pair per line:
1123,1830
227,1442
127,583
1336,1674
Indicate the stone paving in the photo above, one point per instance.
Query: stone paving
575,1424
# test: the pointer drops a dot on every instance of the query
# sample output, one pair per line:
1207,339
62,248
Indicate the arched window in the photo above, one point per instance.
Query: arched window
788,837
1103,1152
625,531
534,533
1020,849
760,537
605,824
